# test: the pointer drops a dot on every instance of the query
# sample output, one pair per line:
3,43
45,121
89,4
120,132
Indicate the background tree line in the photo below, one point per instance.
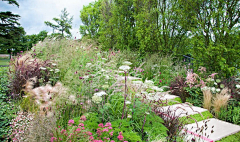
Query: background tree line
13,38
206,30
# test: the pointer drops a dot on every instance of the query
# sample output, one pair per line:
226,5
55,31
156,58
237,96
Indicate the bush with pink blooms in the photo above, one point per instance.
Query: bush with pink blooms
104,133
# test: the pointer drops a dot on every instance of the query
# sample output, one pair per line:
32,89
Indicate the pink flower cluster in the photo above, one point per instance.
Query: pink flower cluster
20,125
191,79
104,133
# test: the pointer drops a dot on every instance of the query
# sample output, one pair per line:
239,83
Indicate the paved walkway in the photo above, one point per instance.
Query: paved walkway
209,130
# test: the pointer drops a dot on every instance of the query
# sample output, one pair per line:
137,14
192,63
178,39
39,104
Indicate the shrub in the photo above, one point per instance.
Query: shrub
26,67
178,86
231,84
195,96
7,107
20,125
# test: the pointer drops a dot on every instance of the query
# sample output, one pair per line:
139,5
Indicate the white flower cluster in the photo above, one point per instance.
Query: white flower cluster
124,68
127,63
149,82
96,99
238,86
100,94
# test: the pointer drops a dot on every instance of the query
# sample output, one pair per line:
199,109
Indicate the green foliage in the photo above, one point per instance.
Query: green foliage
63,24
67,112
232,114
171,28
195,96
90,18
231,138
217,47
7,108
11,32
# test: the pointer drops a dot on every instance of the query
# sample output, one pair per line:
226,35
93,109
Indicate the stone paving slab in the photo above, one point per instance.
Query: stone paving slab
216,130
165,96
183,109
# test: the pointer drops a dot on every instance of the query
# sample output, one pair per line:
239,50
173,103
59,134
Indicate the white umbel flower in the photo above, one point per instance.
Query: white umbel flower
124,68
100,94
96,99
238,86
127,63
127,102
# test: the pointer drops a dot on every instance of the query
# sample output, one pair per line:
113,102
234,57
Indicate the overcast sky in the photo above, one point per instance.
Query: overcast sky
34,12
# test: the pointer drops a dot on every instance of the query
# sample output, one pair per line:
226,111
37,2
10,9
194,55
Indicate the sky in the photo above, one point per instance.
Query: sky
34,12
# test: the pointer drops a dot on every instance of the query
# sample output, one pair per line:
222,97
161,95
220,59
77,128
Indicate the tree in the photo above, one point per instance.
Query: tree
214,29
10,29
90,16
63,24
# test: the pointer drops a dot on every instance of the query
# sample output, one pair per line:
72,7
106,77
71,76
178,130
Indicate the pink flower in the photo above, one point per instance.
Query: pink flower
71,121
78,129
111,133
63,131
112,141
81,125
108,124
120,137
83,118
91,138
109,128
125,141
89,133
212,75
105,130
52,139
100,125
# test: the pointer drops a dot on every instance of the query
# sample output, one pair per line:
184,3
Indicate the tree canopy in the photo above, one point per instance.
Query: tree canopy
206,30
10,29
63,24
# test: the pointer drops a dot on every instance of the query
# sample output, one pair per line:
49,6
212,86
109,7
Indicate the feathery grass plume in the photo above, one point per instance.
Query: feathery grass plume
45,96
221,100
207,98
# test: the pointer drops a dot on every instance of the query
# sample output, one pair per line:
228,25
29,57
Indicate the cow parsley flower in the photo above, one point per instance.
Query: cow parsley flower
96,99
127,102
127,63
124,68
100,94
237,86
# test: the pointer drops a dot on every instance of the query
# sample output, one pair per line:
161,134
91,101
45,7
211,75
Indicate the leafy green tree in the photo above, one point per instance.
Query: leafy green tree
10,30
63,24
207,30
90,16
214,29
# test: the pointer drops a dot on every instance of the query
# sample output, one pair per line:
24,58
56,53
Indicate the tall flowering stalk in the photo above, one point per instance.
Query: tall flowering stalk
125,95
